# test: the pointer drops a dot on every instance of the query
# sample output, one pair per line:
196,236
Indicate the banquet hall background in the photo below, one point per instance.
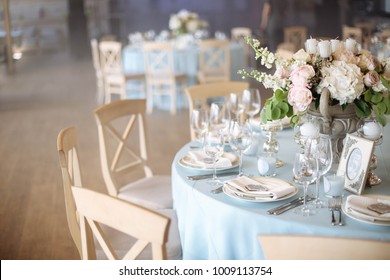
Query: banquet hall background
52,85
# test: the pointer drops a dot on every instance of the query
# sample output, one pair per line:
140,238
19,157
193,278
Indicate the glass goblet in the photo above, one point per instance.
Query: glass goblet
200,122
251,101
213,147
305,170
322,150
240,139
235,104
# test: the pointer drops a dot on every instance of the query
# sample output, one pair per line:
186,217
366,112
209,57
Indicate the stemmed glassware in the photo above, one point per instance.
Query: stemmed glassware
322,150
200,122
213,147
219,118
240,138
251,101
235,104
305,170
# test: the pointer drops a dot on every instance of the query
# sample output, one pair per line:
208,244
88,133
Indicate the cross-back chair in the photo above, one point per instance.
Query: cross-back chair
299,247
125,167
214,61
71,176
161,75
239,35
146,226
296,35
200,95
353,33
111,64
98,70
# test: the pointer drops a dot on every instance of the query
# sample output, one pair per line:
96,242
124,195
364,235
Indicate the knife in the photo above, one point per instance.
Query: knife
270,211
207,176
291,206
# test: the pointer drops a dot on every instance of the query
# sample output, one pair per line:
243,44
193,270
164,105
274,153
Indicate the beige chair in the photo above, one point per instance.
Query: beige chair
295,35
98,70
161,77
125,168
147,226
352,32
214,61
199,95
239,35
111,64
285,50
71,176
297,247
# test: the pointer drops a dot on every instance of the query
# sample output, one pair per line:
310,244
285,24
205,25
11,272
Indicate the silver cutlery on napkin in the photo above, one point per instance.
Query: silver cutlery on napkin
208,176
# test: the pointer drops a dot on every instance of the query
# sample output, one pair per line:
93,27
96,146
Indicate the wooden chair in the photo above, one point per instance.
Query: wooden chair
161,77
111,64
214,61
297,247
199,95
98,70
71,176
352,32
125,169
145,225
367,29
295,35
285,50
239,35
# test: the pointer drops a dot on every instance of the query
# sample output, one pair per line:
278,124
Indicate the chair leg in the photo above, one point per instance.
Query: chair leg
149,100
173,100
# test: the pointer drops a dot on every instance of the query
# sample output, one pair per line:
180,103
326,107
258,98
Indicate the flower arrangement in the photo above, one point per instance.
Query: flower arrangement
350,74
186,22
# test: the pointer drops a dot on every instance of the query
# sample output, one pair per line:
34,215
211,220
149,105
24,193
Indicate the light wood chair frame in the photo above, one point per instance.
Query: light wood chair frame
198,95
239,34
98,70
161,77
214,61
299,247
96,209
352,32
105,115
296,35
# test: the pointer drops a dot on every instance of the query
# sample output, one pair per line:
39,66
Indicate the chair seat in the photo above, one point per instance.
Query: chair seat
134,76
211,77
122,242
151,192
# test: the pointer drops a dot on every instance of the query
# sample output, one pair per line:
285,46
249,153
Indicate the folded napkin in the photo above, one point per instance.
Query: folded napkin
368,207
200,158
263,188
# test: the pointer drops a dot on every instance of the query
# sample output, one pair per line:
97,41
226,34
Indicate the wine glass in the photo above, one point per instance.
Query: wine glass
213,147
235,104
240,138
322,150
219,118
200,122
305,170
251,101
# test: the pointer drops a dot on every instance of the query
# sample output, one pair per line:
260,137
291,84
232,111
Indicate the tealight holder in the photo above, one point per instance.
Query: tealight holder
371,129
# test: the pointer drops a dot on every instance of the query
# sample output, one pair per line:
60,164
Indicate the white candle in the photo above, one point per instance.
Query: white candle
335,45
350,44
266,164
333,185
372,130
325,49
310,130
311,46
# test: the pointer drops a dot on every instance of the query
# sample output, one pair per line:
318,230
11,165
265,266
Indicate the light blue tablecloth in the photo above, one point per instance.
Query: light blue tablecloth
216,226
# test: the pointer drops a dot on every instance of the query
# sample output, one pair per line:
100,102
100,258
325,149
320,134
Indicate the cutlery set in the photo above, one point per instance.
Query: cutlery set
335,206
288,205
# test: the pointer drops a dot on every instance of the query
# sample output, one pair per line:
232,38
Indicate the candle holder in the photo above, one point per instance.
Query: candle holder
370,129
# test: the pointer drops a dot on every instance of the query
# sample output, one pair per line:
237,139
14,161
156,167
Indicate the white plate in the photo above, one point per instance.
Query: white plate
362,218
252,198
187,162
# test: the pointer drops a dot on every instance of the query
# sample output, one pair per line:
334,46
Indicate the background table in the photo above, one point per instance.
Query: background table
216,226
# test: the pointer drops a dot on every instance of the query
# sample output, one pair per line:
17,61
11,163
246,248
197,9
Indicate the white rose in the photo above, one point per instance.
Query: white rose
301,55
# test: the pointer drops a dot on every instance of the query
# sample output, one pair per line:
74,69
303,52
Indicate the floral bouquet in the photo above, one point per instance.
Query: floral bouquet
350,74
186,22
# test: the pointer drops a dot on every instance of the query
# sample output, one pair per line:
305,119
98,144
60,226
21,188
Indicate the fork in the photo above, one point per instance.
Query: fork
331,204
337,207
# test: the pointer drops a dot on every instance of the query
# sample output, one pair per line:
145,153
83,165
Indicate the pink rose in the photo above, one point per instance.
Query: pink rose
282,73
301,75
300,97
371,78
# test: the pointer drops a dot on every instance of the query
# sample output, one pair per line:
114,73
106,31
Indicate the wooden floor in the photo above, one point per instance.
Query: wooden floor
47,93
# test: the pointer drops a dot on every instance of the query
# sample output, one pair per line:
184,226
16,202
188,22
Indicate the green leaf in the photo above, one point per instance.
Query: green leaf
284,108
385,82
279,95
386,101
377,97
275,113
380,109
367,95
381,119
362,109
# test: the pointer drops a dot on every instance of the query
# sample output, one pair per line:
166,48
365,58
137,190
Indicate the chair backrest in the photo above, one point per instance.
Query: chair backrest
116,122
115,85
95,54
352,32
97,209
111,57
285,50
297,247
214,60
158,58
199,95
296,35
71,176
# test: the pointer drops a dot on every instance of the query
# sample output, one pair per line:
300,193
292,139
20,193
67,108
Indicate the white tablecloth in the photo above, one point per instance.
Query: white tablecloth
216,226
